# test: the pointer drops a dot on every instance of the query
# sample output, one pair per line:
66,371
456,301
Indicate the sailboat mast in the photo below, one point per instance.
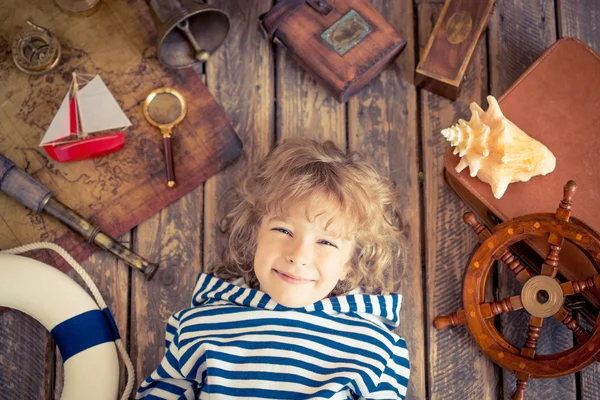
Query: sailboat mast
82,132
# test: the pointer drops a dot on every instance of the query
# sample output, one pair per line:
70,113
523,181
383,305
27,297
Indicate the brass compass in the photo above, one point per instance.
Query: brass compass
35,50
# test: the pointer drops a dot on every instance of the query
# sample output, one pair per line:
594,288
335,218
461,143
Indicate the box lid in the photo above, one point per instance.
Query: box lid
556,101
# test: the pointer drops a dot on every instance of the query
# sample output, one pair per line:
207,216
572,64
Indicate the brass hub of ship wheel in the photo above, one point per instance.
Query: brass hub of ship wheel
542,296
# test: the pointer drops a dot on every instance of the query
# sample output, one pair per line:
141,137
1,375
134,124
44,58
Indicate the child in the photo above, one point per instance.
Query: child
293,312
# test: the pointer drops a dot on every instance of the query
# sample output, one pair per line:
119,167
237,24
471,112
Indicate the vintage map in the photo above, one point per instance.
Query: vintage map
118,191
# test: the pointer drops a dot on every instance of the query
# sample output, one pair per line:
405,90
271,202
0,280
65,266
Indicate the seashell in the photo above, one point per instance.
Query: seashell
497,151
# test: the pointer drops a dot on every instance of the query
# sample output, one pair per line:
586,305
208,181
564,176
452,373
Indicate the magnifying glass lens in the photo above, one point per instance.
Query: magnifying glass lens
164,108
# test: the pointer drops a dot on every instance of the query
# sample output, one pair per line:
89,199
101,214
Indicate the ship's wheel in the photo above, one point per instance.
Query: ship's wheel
542,295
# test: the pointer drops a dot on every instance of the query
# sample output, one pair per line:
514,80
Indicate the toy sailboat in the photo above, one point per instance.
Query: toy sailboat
85,110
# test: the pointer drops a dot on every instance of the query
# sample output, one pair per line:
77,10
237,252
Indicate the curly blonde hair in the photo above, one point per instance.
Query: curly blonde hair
305,170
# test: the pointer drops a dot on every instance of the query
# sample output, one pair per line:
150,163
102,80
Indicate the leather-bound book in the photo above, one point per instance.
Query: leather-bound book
343,44
556,101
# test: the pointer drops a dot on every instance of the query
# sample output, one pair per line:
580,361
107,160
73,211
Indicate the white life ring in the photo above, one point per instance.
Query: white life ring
79,327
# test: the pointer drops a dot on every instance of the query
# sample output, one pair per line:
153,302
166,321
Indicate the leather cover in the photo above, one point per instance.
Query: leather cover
556,101
304,28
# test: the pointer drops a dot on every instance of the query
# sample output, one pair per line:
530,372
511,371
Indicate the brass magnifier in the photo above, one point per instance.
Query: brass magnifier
165,108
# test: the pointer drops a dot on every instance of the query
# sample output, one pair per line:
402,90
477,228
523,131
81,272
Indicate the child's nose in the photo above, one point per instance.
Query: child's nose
299,253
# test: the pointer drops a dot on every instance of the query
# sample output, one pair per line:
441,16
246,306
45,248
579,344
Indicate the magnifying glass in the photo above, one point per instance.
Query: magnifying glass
165,108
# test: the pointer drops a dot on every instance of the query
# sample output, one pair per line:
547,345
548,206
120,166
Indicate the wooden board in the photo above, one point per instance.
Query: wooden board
581,19
305,108
118,191
174,233
457,369
382,125
512,51
248,103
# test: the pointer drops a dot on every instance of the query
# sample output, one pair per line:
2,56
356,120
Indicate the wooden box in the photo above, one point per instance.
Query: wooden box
560,109
343,44
451,46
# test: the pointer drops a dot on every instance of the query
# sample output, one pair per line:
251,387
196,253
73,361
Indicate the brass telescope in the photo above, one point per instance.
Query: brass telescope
22,187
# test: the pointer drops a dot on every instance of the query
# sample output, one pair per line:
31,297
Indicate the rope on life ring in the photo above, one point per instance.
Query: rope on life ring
83,328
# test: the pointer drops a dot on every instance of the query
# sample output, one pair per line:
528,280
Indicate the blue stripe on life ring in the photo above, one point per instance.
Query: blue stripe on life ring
82,332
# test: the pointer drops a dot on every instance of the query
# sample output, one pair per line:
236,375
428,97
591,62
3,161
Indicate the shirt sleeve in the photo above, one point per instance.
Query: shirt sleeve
394,380
167,381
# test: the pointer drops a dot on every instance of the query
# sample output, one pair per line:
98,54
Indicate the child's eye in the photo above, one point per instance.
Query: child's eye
325,242
283,230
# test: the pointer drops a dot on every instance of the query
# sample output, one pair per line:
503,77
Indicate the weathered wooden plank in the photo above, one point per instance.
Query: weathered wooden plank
589,377
519,32
26,358
457,369
304,107
111,276
382,125
590,384
581,19
173,239
240,77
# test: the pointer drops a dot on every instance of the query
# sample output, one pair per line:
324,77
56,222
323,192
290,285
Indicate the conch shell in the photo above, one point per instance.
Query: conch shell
496,150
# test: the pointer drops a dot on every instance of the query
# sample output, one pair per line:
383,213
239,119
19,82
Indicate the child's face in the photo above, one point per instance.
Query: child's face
298,261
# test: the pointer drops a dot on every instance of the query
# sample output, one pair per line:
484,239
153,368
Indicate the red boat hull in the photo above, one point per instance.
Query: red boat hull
83,149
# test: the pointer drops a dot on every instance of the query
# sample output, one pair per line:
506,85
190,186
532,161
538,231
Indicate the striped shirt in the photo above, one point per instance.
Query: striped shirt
235,342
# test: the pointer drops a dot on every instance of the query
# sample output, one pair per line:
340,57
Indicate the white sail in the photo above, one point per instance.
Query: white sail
99,111
60,127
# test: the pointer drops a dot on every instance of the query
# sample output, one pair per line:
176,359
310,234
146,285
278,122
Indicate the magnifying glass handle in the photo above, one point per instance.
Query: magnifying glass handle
169,161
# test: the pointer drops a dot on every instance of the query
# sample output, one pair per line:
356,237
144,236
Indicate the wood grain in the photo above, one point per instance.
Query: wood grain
519,32
240,77
305,108
457,369
26,358
581,19
172,238
382,125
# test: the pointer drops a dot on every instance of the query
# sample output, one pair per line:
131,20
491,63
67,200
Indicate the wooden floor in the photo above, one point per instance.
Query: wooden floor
267,99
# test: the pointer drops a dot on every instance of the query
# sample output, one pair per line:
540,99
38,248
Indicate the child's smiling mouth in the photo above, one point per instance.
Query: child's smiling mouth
291,278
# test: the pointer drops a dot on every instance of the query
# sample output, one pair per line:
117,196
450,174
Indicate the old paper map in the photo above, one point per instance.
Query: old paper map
118,191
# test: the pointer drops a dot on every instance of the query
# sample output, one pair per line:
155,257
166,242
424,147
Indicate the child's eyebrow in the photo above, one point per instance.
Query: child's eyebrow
327,231
333,234
279,219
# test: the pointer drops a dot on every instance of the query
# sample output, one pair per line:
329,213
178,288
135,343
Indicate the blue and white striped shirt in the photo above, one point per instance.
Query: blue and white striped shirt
236,342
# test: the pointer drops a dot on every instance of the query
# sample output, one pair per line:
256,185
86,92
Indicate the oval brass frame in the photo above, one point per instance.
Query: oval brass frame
151,97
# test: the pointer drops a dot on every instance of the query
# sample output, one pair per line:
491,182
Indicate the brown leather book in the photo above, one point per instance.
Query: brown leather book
343,44
556,101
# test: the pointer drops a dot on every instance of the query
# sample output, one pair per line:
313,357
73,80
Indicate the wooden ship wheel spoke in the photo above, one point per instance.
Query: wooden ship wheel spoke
542,295
580,334
488,310
570,288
